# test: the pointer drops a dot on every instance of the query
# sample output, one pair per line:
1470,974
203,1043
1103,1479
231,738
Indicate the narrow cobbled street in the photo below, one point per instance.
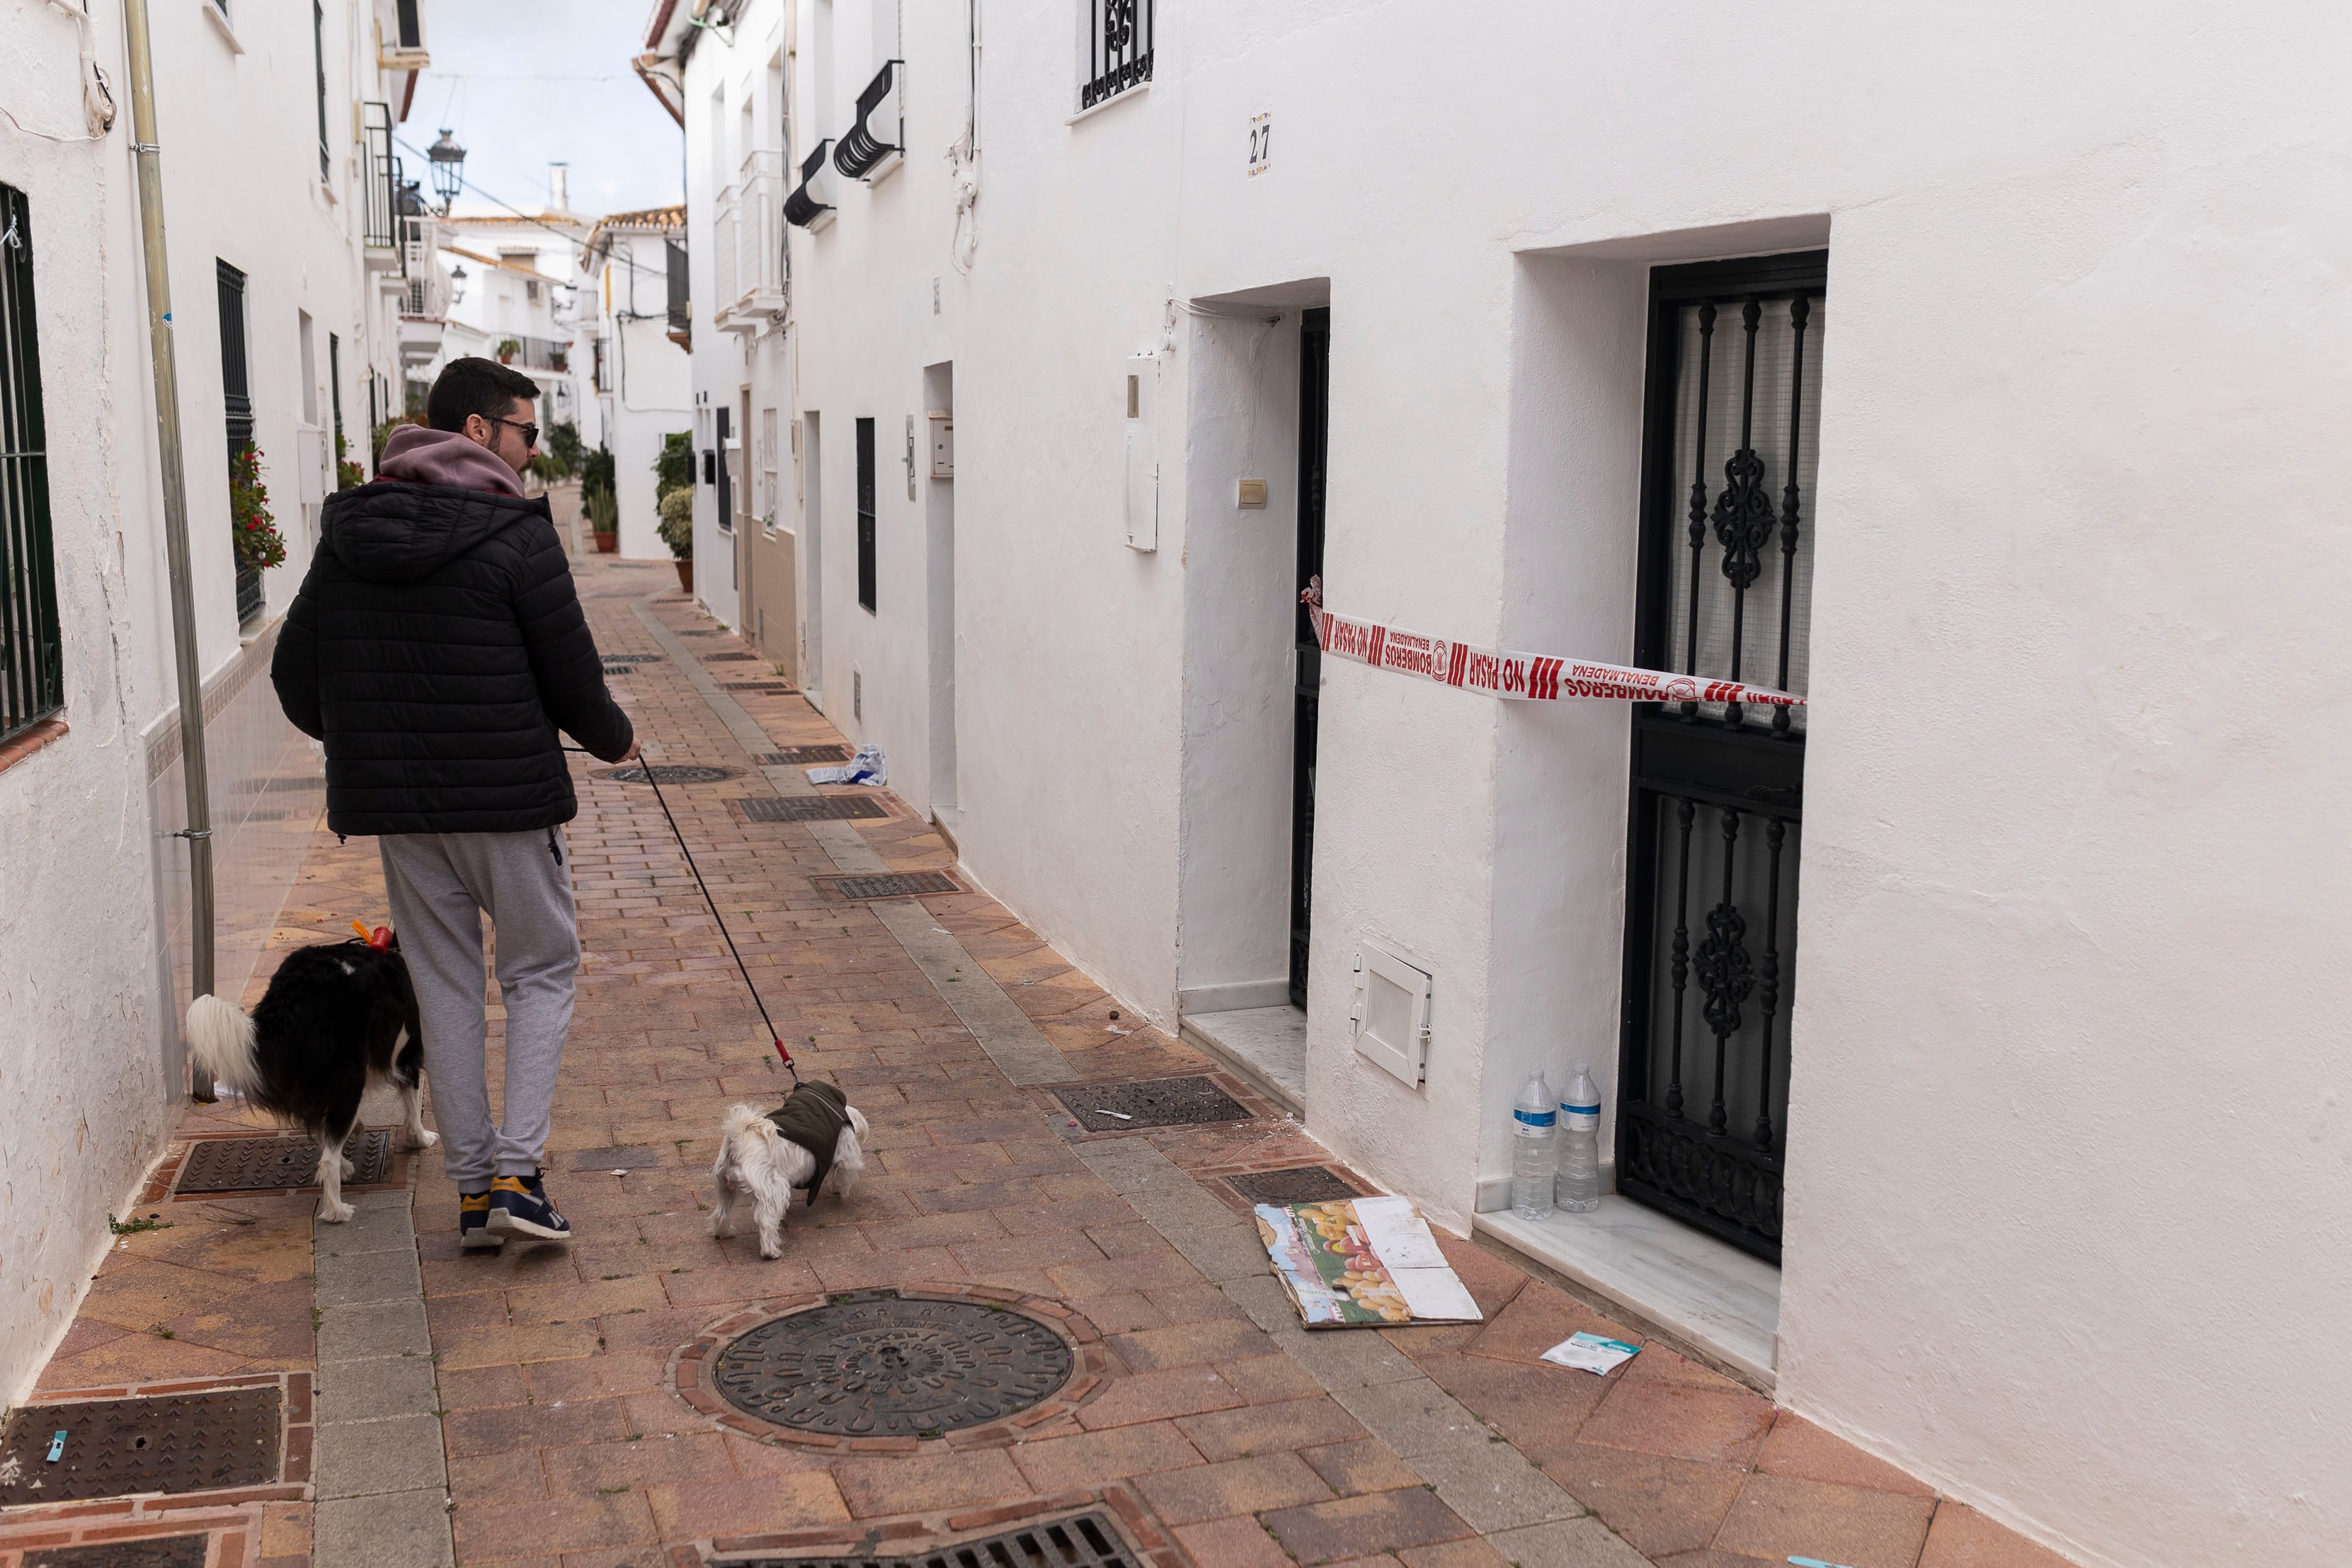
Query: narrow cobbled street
553,1406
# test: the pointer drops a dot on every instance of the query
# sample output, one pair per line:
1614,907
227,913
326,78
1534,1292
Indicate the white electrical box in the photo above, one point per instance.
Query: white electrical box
943,444
1142,453
1393,997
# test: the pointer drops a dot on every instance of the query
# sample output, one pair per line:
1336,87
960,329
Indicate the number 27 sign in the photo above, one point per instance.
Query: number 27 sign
1261,152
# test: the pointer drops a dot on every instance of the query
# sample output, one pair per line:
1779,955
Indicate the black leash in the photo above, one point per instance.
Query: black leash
773,1038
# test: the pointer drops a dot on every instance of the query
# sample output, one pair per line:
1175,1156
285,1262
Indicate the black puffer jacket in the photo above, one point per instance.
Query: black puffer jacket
436,647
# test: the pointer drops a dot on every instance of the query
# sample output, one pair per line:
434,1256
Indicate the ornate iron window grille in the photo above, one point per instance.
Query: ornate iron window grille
32,653
808,201
1120,35
1716,819
863,147
380,197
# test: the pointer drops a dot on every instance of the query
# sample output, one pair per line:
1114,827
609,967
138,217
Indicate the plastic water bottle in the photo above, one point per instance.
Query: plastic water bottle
1579,1144
1533,1137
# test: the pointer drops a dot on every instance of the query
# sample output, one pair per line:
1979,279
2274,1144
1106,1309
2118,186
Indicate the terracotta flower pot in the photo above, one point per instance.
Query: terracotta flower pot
685,576
608,544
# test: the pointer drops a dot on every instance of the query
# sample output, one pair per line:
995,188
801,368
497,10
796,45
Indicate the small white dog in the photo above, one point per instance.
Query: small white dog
765,1156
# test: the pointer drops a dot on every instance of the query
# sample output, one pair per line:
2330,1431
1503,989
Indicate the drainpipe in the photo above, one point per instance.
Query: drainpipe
199,831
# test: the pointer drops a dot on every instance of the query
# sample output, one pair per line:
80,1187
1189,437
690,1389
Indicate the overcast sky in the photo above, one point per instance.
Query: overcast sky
525,83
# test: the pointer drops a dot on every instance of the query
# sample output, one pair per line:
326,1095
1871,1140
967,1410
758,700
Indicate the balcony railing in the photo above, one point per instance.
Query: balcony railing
877,134
380,178
810,206
749,236
542,354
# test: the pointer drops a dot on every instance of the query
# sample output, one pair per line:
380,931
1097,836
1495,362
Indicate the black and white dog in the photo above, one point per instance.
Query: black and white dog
336,1019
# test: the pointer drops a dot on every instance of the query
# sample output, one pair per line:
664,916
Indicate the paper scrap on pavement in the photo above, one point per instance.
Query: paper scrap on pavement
1591,1352
1364,1262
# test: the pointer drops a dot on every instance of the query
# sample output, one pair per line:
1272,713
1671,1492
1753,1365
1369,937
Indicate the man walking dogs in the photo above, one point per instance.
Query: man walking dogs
438,647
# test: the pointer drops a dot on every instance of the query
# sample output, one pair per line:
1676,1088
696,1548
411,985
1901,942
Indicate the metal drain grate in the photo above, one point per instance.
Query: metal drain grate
793,755
1157,1103
619,1157
1086,1541
875,1363
809,809
278,1165
776,689
1299,1184
671,773
115,1447
727,658
893,884
172,1551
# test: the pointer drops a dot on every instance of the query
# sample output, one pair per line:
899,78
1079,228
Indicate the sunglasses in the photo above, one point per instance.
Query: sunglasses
530,431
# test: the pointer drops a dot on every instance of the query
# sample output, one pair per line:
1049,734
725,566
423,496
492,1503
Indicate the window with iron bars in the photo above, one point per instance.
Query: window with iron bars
1119,39
32,655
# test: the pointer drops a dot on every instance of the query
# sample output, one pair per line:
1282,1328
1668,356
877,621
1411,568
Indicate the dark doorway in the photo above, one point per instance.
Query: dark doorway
236,406
865,513
1314,428
1730,453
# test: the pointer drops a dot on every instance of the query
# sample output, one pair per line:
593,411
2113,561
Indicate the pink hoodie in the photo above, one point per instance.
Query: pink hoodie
421,456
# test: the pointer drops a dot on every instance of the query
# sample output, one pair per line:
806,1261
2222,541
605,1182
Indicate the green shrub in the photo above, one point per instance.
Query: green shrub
596,472
677,523
564,448
604,510
674,469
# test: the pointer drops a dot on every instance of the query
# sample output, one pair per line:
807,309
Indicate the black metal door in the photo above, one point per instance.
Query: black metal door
236,408
1314,428
1730,455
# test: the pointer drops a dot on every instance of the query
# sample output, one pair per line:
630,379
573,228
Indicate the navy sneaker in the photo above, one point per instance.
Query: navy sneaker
474,1232
519,1207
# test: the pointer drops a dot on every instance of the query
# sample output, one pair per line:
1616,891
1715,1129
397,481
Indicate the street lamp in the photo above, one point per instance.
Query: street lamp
448,161
457,284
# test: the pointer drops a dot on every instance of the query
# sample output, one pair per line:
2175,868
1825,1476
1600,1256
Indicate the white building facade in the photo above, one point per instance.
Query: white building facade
285,275
642,382
2015,340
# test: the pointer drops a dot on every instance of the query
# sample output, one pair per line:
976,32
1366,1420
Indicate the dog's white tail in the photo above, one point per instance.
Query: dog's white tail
220,1038
742,1119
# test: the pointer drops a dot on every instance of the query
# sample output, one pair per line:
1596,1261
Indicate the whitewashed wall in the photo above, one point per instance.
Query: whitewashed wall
92,888
2068,1081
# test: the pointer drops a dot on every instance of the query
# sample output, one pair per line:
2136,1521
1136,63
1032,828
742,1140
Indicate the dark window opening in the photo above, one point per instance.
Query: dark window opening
319,49
865,513
32,654
236,409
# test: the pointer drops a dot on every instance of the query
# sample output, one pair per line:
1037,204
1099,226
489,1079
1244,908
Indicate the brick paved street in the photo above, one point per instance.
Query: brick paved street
1216,1432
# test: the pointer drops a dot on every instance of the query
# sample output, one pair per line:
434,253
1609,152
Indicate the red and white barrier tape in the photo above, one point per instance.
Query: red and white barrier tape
1532,676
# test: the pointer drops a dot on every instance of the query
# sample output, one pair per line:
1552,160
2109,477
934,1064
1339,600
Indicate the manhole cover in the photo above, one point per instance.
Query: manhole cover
115,1447
705,633
727,658
809,809
670,773
776,689
172,1551
278,1165
1300,1184
1158,1103
874,1364
1085,1542
895,884
792,755
623,661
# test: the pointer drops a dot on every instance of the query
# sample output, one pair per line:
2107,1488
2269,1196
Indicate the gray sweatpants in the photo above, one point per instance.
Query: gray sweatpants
441,884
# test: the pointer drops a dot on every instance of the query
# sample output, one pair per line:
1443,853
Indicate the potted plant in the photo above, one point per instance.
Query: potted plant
599,499
507,350
251,527
677,532
604,510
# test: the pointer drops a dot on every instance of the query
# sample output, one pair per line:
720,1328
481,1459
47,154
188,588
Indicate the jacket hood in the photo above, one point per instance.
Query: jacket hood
393,532
423,456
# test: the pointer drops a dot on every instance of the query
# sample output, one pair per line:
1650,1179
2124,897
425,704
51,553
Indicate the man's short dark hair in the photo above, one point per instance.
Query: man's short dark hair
475,386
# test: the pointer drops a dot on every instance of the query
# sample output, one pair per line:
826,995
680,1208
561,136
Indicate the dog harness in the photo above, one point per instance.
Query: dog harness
813,1117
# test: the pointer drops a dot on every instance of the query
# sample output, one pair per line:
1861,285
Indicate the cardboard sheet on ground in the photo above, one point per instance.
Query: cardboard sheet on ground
1364,1262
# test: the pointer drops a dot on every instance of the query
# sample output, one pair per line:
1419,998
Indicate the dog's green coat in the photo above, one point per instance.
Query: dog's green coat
813,1117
